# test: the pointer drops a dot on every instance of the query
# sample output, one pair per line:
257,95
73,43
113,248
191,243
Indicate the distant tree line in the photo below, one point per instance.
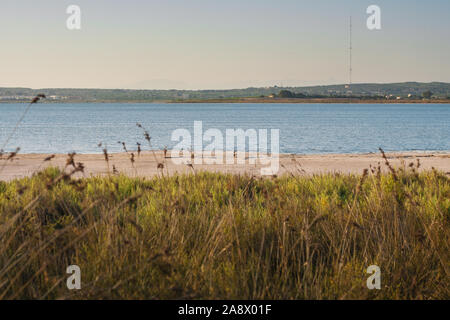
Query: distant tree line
296,95
427,94
287,94
290,94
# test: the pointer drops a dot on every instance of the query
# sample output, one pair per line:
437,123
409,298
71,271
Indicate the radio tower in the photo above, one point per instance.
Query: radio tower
350,52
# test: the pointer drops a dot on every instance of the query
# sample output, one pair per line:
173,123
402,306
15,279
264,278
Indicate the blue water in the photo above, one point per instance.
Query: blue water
304,128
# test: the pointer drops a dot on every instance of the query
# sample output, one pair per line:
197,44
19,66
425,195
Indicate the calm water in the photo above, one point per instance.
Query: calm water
304,128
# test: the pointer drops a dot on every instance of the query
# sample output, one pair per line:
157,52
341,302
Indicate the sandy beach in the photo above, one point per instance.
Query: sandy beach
146,164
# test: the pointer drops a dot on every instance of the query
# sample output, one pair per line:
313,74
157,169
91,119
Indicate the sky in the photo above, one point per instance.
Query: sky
216,44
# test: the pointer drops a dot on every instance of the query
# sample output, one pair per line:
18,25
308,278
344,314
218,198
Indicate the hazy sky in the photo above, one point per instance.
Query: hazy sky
210,44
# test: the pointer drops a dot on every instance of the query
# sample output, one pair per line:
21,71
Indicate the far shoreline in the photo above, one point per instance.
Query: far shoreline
247,100
316,100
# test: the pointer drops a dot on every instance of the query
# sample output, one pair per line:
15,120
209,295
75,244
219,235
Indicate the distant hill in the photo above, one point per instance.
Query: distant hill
439,90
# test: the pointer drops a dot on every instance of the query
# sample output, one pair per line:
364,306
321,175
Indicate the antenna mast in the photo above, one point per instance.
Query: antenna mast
350,52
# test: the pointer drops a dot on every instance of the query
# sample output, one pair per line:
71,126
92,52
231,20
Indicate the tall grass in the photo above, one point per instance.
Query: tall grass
218,236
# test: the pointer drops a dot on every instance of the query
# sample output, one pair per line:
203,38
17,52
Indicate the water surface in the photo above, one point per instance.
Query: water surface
304,128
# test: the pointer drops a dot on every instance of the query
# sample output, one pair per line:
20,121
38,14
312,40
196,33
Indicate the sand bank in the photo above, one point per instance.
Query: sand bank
145,165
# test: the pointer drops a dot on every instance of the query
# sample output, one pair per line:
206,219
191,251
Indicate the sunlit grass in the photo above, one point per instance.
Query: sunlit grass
219,236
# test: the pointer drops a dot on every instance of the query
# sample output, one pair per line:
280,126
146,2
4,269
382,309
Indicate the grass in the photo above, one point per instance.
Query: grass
216,236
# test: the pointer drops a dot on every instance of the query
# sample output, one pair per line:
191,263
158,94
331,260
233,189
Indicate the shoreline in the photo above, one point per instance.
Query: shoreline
245,100
348,100
145,165
282,154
